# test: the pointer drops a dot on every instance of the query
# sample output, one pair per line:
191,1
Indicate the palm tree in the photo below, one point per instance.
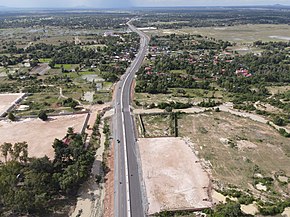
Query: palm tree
5,149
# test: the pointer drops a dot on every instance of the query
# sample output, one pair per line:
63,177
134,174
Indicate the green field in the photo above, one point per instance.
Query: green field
66,66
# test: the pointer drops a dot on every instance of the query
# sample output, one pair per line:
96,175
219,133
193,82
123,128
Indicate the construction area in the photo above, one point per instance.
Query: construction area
213,150
173,175
39,134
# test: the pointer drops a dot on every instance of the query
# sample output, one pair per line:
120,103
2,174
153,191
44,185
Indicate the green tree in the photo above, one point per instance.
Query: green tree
231,209
42,115
70,102
20,152
279,121
70,131
168,109
51,64
5,149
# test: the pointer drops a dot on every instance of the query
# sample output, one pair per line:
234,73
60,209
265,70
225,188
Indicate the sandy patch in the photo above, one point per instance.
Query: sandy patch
39,134
218,197
258,175
22,108
250,209
168,32
6,100
174,178
261,187
224,141
283,178
244,144
286,212
228,108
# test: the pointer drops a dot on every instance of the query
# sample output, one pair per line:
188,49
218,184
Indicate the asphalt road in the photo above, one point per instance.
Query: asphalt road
127,185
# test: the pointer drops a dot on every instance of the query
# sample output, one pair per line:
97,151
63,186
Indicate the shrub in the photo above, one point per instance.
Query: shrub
279,121
42,115
11,116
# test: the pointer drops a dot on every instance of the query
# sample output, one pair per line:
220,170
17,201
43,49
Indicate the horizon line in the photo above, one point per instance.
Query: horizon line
152,6
136,7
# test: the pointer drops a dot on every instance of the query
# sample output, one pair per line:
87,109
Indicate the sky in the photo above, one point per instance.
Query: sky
135,3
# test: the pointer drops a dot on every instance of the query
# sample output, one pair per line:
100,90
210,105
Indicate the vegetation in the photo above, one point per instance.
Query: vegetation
230,209
177,18
70,102
107,132
209,103
71,20
284,133
243,198
29,185
274,209
43,116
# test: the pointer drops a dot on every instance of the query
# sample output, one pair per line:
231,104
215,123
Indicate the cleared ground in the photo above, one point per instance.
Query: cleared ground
278,89
39,134
6,100
239,33
246,33
238,149
173,176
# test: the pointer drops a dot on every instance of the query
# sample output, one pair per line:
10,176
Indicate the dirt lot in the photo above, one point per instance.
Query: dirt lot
39,134
234,146
6,100
173,176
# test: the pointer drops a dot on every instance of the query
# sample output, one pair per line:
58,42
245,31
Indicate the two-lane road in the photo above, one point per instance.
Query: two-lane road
128,192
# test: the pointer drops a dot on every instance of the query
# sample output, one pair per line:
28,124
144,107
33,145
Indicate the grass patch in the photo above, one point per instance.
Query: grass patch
44,60
158,125
104,96
236,166
66,66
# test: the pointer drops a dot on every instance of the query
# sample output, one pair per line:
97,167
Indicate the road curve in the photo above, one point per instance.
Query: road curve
127,184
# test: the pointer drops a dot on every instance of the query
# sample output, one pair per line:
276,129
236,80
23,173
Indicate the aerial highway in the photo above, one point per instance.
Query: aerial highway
128,195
